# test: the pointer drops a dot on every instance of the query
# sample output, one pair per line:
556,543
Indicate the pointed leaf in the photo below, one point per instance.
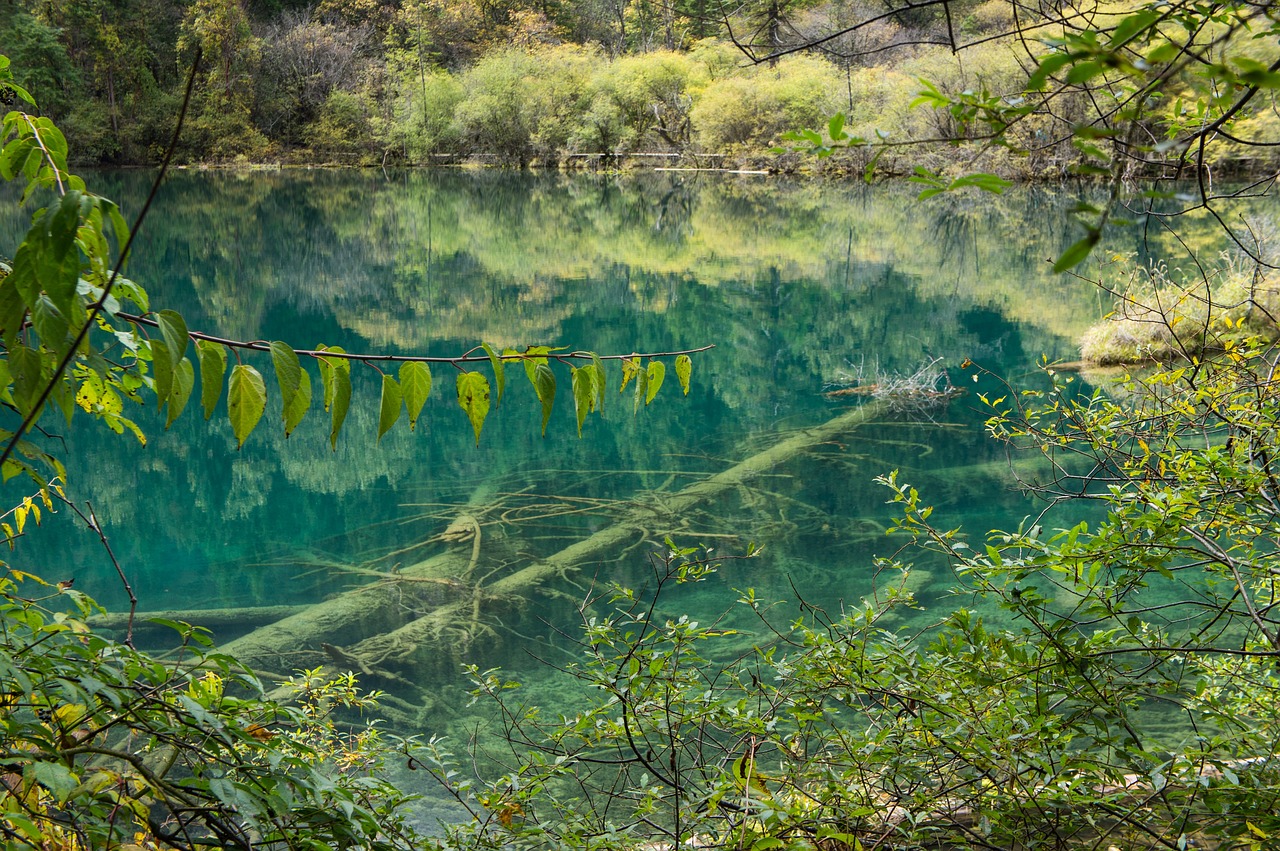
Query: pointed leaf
835,127
213,365
27,368
473,398
184,381
288,372
341,400
389,407
174,331
499,377
642,389
544,382
1076,254
601,379
326,381
630,369
684,370
50,324
246,400
299,405
162,371
329,367
584,392
534,358
415,384
657,372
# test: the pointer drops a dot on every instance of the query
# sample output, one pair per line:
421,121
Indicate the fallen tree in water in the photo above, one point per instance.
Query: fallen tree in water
424,619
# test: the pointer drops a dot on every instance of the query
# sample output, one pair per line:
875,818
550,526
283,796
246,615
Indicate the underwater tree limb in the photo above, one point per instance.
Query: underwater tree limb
437,636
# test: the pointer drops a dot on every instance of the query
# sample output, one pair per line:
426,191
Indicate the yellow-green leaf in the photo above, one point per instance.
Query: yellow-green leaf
544,384
174,331
499,376
213,366
601,379
584,392
341,400
684,371
415,385
161,371
299,405
246,400
657,372
288,372
184,381
642,387
473,398
630,369
328,368
389,407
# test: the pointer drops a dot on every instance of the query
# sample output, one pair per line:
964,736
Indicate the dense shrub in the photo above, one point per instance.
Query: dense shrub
754,108
425,114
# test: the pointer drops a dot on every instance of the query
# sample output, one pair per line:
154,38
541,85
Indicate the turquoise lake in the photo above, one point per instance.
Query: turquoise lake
802,288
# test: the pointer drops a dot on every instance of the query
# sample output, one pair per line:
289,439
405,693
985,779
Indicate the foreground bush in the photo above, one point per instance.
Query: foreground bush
108,747
1096,684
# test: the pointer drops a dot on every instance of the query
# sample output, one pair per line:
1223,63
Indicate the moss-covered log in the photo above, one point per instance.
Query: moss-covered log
437,638
367,630
240,619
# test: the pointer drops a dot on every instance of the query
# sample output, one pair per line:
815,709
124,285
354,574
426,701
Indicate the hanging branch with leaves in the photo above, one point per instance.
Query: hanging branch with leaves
69,339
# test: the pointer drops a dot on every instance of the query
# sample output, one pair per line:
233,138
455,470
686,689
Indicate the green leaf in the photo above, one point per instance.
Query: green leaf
601,379
657,372
27,368
329,367
59,259
473,398
389,407
162,371
213,365
544,384
835,127
642,388
174,331
684,371
499,376
341,400
288,373
1084,72
869,172
184,381
50,324
1050,65
62,396
1132,26
415,384
585,392
986,182
299,405
246,400
55,777
1076,254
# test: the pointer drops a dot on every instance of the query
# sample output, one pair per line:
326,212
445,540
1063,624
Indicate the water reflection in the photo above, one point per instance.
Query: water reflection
798,284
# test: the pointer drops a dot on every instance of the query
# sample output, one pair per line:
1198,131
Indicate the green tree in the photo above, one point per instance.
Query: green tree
221,126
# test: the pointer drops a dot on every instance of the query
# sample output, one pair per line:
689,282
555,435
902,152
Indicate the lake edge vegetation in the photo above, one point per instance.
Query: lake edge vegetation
597,86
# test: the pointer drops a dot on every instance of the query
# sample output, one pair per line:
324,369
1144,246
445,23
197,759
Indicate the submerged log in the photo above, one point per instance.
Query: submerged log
236,618
365,629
